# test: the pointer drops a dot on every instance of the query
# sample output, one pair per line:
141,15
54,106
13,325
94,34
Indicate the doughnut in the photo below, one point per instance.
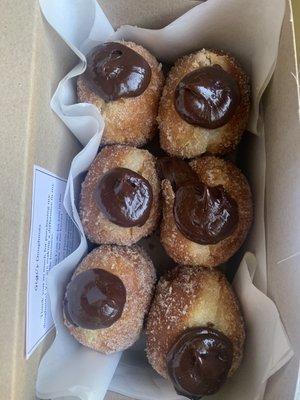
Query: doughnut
207,210
124,81
195,331
108,296
204,106
120,196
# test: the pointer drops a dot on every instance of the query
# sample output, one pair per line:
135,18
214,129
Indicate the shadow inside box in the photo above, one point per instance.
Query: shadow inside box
136,355
162,262
242,159
231,266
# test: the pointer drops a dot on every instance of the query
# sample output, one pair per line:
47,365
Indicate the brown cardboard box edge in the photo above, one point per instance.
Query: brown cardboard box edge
32,134
283,131
27,138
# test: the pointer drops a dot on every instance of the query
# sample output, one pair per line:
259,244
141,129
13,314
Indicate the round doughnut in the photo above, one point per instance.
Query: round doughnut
207,212
108,296
120,196
204,106
195,330
124,81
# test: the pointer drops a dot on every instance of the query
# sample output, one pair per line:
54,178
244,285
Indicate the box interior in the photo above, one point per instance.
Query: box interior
32,134
281,109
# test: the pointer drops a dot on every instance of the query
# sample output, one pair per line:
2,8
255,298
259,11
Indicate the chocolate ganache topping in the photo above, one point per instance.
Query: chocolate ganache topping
199,361
203,214
177,171
207,97
114,71
94,299
124,197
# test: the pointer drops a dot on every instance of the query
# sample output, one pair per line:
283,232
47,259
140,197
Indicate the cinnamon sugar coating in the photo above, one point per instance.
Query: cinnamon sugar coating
132,120
133,266
212,171
188,297
96,226
181,139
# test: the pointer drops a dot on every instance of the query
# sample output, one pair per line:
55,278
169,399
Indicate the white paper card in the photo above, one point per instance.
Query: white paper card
53,237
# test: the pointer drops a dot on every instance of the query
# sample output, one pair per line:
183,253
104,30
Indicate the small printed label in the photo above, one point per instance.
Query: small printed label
53,236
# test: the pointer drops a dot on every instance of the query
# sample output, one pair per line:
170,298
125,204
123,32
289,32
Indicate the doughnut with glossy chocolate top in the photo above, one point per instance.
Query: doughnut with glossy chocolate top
199,361
205,105
120,196
206,222
124,81
108,296
195,330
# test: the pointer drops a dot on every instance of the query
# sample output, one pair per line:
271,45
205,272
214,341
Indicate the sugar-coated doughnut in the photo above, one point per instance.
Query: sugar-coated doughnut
204,106
124,81
207,210
195,330
120,196
108,296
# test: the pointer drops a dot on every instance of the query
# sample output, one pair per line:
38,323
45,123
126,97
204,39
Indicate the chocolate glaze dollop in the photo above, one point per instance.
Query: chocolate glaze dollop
94,299
124,197
177,171
203,214
207,97
199,361
114,71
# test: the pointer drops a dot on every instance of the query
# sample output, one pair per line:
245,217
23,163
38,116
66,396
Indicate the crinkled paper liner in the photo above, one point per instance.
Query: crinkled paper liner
249,30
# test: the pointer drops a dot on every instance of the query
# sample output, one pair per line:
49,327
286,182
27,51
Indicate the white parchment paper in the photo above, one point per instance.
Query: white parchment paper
250,30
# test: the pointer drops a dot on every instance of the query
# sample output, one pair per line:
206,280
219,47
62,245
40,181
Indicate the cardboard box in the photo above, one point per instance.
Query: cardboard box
296,12
34,59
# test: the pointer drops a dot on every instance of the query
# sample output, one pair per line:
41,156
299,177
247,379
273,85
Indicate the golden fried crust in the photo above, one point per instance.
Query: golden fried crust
190,297
131,120
135,269
96,226
212,171
181,139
